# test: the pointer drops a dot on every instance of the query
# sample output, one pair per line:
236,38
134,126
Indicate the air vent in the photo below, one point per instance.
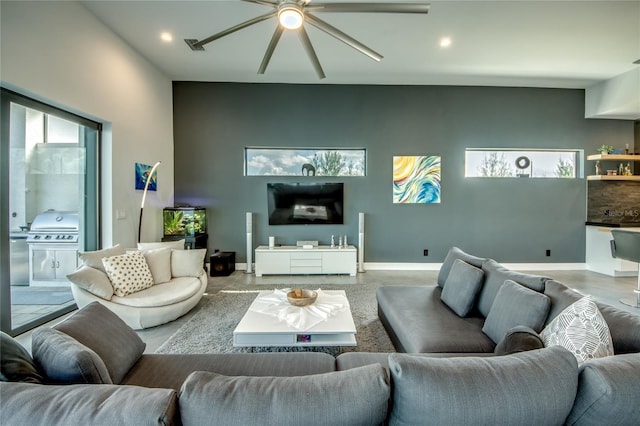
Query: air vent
193,44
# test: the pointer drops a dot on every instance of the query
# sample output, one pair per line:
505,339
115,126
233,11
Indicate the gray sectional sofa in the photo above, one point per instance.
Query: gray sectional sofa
90,369
419,321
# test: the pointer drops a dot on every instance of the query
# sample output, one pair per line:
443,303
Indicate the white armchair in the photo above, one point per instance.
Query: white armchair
178,283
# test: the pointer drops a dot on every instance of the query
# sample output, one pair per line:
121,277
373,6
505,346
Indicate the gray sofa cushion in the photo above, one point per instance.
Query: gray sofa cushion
106,334
47,405
350,360
176,368
529,388
453,254
353,397
65,360
624,326
561,297
495,274
516,305
462,287
608,392
519,339
417,321
16,364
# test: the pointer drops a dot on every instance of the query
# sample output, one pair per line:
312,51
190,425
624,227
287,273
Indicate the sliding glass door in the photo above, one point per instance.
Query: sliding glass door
49,207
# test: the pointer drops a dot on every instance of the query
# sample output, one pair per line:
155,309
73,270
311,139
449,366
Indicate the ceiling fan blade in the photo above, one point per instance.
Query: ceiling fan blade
272,46
263,2
417,7
306,43
346,39
245,24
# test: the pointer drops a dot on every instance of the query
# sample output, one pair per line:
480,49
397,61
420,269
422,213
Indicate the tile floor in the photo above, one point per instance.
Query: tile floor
26,313
603,288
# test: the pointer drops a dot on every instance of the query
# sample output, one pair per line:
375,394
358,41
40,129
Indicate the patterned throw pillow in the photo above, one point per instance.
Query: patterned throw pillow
582,330
128,273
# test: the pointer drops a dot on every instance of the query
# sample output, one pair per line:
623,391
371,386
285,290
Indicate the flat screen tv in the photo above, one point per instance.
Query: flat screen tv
305,203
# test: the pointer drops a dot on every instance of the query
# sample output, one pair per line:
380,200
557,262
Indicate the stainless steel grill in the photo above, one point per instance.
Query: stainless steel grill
54,227
53,247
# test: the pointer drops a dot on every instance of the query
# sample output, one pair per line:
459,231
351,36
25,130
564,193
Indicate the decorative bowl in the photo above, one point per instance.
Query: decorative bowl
302,297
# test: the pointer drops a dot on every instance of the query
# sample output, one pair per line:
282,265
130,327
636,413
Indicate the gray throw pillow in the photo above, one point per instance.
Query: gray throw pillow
64,360
107,405
453,254
516,305
359,396
102,331
529,388
519,339
462,287
16,363
495,274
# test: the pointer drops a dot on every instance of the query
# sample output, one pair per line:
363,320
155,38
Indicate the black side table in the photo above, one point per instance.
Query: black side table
222,264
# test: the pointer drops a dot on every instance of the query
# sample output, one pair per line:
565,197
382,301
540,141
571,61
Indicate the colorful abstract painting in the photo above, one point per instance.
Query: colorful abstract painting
142,173
416,179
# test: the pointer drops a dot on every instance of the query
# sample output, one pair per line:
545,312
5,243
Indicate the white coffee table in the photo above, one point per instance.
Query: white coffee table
259,329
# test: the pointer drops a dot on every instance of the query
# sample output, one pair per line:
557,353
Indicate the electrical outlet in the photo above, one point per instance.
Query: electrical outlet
425,252
548,252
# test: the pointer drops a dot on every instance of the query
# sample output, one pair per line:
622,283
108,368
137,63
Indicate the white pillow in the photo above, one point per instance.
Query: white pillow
128,273
174,245
187,263
93,280
94,258
159,262
582,330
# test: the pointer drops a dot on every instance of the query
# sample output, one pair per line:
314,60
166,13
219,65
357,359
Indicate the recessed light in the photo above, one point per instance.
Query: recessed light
445,42
166,37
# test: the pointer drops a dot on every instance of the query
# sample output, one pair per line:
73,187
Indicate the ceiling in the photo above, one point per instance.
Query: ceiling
570,44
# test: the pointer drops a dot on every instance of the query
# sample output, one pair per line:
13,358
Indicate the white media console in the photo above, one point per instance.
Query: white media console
292,260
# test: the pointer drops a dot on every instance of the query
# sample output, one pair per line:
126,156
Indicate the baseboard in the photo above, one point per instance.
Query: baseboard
406,266
546,266
375,266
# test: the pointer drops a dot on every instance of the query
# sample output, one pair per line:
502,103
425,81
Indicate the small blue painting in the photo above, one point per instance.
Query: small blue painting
142,173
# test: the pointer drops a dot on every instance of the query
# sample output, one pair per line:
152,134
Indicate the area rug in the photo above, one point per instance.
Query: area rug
210,329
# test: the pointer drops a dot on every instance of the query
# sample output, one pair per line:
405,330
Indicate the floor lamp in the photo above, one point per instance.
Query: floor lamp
144,196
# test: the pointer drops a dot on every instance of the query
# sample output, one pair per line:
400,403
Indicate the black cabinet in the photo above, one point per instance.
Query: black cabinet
197,242
222,264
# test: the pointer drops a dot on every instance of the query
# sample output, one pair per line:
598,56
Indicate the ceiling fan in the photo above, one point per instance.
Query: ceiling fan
293,14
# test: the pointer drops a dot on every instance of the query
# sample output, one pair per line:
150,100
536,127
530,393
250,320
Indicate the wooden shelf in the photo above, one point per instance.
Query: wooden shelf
613,157
635,178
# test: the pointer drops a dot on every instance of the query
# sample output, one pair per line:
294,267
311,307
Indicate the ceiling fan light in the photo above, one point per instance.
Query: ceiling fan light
290,17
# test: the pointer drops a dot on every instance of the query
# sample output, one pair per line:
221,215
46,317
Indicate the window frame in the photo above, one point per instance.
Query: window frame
523,156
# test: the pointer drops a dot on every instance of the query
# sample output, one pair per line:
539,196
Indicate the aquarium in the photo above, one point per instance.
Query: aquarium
184,221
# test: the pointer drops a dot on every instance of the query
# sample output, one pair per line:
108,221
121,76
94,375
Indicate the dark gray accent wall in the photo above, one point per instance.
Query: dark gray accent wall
511,220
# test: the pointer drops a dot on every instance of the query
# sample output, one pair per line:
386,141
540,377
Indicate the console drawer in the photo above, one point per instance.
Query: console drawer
306,270
303,263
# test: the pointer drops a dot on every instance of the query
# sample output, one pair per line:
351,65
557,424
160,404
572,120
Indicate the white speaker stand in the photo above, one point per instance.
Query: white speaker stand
249,269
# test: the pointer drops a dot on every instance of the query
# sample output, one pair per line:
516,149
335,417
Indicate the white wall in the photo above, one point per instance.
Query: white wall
58,52
617,98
